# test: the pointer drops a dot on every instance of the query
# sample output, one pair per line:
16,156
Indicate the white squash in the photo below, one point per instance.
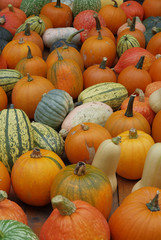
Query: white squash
52,35
151,175
96,112
107,157
155,100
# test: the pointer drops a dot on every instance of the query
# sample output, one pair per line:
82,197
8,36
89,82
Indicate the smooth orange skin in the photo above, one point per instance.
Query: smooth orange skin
3,99
5,180
151,87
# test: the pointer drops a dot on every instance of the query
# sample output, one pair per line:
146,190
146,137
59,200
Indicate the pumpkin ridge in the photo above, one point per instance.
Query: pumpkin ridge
28,132
54,160
9,162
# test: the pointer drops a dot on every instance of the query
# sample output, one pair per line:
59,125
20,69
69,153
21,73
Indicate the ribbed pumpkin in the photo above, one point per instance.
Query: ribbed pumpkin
79,212
53,108
151,8
15,135
33,174
10,209
84,182
83,140
46,137
28,92
65,74
3,99
135,145
123,120
12,230
5,182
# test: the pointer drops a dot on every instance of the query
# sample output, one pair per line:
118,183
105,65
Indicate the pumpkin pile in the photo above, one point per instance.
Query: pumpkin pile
80,105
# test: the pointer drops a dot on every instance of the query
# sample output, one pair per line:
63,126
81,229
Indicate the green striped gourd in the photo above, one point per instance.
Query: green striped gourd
8,78
36,24
126,41
81,5
113,94
14,230
31,7
15,135
46,137
53,108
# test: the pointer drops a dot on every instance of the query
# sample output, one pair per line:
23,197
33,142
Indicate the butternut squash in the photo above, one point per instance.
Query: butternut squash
107,157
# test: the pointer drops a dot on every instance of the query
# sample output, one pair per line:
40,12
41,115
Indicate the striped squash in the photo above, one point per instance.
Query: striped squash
15,135
36,24
46,137
14,230
126,42
8,78
79,6
31,7
113,94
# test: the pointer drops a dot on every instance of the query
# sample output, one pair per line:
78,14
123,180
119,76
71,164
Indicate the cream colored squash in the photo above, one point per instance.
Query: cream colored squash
107,157
155,100
110,2
152,169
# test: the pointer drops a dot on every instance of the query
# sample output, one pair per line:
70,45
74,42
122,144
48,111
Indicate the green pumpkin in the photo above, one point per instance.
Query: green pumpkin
14,230
32,7
81,5
15,135
53,108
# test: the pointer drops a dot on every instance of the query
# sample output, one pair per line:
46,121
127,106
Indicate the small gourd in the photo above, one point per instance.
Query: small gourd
155,100
152,168
107,158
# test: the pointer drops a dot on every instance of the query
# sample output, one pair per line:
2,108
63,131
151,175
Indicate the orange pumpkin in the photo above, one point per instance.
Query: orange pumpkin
17,11
132,9
27,93
83,140
156,127
3,99
33,174
155,70
5,180
95,48
133,77
151,87
135,145
11,210
15,3
123,120
84,182
154,43
98,74
3,64
79,212
152,8
15,50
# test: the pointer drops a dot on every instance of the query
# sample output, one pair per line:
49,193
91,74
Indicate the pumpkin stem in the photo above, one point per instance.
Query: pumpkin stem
2,20
153,204
80,169
36,153
139,65
27,29
133,133
84,127
58,5
132,27
64,205
29,55
12,106
129,110
29,78
99,35
69,39
156,30
141,94
3,195
116,140
103,63
59,55
98,24
115,3
10,7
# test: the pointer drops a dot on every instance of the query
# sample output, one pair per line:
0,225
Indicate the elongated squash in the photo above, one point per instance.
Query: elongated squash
110,93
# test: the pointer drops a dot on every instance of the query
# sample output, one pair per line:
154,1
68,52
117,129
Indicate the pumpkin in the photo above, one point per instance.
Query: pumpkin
15,134
10,209
15,50
133,9
123,120
67,2
98,74
83,140
59,13
84,182
142,204
151,87
82,213
15,3
154,70
18,12
39,166
114,16
65,74
109,2
47,21
151,8
3,64
53,108
133,77
79,6
46,137
32,6
5,180
5,34
154,100
156,129
135,145
3,99
153,45
27,93
97,47
141,105
33,65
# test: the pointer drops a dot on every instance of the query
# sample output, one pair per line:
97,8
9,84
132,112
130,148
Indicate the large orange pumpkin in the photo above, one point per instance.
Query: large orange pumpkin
3,99
155,70
156,127
33,174
84,182
5,180
152,8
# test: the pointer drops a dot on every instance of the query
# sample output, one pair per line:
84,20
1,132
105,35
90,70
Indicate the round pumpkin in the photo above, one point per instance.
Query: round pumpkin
151,87
132,9
154,43
155,70
152,8
3,99
5,180
156,127
83,141
17,11
33,174
84,182
15,3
